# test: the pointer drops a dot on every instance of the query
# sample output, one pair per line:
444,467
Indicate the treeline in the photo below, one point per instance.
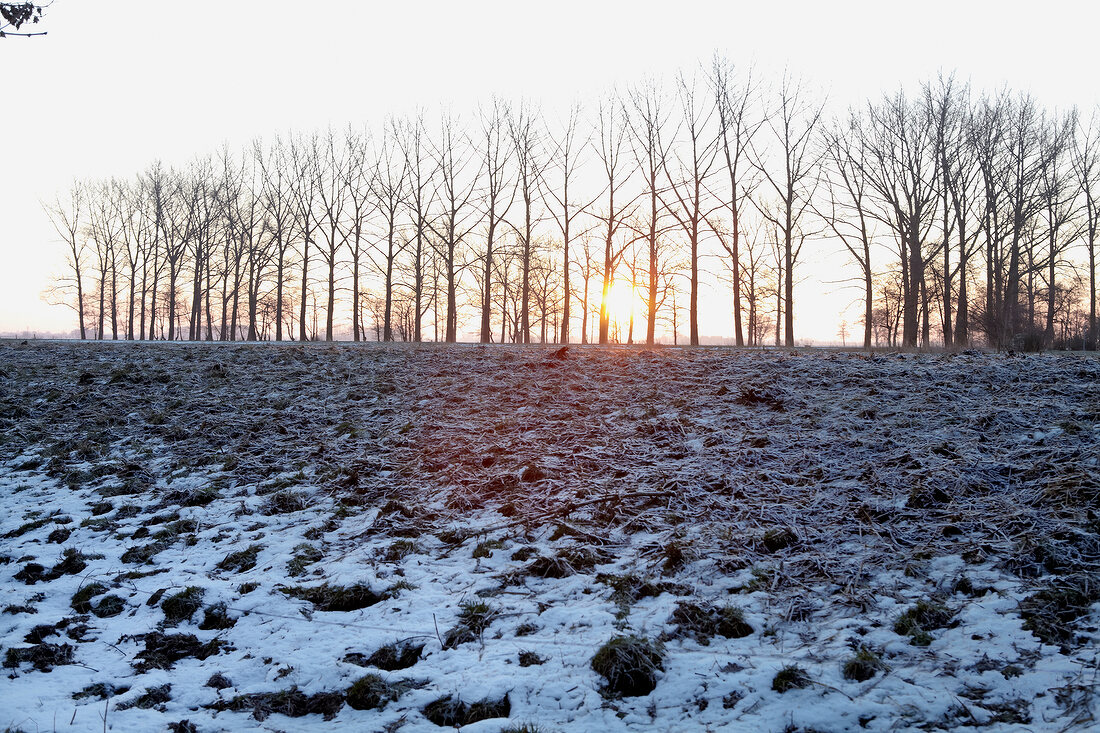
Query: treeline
965,217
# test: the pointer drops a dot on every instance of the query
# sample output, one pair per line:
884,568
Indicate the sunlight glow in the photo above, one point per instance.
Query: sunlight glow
621,300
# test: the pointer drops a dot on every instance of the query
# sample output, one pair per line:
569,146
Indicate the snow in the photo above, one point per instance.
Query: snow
897,473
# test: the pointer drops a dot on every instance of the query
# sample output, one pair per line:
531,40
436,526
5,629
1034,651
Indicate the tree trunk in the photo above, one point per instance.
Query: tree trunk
305,283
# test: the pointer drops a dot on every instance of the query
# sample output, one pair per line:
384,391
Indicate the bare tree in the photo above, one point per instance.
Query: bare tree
525,142
456,191
1057,194
357,185
158,187
845,208
651,151
959,183
1011,154
66,219
689,179
613,130
1086,170
498,154
410,137
564,160
248,210
738,123
104,229
278,201
902,172
305,185
792,125
387,184
333,199
588,264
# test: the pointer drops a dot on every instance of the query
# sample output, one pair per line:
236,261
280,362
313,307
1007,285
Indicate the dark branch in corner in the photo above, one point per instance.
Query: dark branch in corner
16,15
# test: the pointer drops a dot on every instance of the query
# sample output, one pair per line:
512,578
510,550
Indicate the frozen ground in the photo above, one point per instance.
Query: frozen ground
789,542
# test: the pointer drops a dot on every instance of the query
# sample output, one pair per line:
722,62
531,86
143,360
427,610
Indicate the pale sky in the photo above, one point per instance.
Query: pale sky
116,85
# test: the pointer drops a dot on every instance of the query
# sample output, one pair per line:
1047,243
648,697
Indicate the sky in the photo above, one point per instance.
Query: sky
116,85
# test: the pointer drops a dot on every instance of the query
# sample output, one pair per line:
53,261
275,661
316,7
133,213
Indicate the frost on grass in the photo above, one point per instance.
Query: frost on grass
474,618
390,657
863,665
396,536
164,650
292,703
791,677
629,664
1052,612
335,598
703,622
921,619
451,711
183,605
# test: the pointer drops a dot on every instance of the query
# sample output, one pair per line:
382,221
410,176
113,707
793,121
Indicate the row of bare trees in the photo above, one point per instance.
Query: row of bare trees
524,227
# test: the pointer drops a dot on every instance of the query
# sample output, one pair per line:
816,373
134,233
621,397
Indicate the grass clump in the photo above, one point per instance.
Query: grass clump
145,553
703,622
284,502
401,549
218,681
452,712
485,549
862,666
82,599
192,496
28,527
473,618
628,589
304,556
371,692
763,579
335,598
41,632
241,560
216,616
790,677
173,530
109,606
99,690
163,650
43,657
183,726
629,664
183,605
455,536
779,538
920,619
531,659
1051,612
72,561
152,697
31,573
524,554
569,561
391,657
293,703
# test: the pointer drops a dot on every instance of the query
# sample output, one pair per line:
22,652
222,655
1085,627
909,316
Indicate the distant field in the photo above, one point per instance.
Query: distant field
368,538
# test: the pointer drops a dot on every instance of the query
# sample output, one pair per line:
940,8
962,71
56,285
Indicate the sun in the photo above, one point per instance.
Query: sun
621,301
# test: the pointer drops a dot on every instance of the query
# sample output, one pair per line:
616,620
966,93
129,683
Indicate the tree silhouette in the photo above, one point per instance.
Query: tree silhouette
16,15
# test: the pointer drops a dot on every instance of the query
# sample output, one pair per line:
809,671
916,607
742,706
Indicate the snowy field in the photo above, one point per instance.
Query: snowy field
360,538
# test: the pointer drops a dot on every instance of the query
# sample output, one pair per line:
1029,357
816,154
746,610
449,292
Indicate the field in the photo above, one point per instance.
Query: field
368,538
